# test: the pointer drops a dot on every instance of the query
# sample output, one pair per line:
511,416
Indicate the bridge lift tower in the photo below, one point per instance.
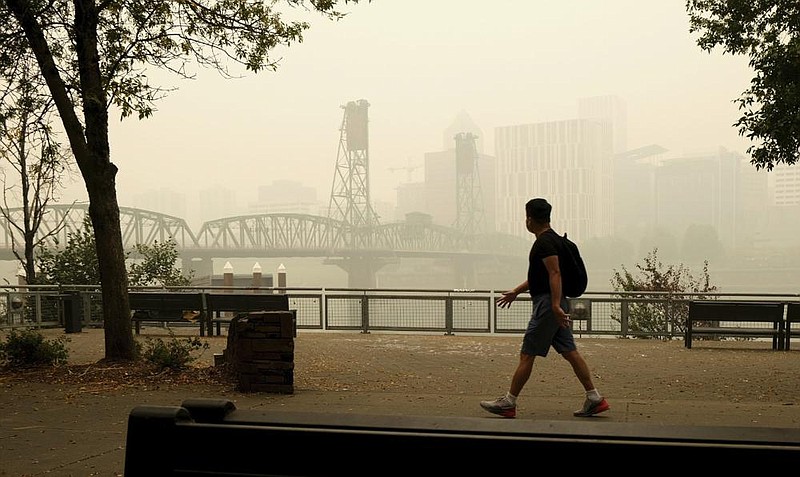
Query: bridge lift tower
350,200
469,201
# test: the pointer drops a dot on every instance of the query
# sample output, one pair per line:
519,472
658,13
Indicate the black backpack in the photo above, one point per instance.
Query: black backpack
574,278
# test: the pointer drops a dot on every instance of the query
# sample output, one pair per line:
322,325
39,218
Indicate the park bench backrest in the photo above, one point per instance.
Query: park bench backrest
166,301
247,302
736,311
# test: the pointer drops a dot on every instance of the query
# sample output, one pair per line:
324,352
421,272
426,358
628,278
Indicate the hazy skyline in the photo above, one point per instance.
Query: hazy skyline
419,64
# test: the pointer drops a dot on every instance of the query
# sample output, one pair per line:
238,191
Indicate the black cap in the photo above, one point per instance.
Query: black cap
538,209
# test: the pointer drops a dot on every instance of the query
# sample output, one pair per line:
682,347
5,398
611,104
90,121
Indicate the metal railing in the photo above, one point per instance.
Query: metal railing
618,314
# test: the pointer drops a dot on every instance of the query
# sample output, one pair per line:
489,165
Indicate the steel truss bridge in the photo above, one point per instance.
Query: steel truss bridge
276,235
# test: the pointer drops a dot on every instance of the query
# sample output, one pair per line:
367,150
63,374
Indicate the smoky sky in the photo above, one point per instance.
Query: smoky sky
419,64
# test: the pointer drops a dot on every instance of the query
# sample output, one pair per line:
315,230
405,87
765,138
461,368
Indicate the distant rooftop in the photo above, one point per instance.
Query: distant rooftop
641,153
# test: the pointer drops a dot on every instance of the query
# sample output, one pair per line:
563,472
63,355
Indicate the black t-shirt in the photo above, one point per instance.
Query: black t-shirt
544,246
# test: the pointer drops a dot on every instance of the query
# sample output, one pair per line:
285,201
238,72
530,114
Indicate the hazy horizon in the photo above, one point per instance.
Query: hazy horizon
419,64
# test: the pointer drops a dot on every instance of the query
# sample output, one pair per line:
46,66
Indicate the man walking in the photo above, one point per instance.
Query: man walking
549,324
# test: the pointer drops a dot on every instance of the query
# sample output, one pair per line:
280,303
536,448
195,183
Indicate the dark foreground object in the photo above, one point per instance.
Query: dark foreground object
211,437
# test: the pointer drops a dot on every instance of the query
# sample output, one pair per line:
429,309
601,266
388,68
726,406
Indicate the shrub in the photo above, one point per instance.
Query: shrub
176,353
28,347
654,316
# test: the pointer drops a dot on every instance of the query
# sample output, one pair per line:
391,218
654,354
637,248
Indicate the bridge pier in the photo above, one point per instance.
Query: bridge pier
465,273
200,267
361,271
488,272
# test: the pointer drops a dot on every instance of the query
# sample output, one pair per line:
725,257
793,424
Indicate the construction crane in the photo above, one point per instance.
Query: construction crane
410,168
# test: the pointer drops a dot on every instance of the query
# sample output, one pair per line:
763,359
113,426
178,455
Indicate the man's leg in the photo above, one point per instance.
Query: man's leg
594,403
522,373
536,341
506,406
580,368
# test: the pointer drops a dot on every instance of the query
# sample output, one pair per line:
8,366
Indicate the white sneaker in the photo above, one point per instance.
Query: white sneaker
500,406
590,408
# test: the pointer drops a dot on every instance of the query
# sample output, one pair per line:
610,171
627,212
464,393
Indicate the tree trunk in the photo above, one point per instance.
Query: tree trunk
99,175
104,212
90,147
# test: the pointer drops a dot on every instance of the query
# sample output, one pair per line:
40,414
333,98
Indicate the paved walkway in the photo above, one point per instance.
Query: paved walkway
79,430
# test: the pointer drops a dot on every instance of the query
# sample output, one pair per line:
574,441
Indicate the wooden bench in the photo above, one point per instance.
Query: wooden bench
712,313
219,303
168,307
792,316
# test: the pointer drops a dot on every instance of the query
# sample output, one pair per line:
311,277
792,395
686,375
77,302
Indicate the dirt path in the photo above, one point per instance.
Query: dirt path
646,369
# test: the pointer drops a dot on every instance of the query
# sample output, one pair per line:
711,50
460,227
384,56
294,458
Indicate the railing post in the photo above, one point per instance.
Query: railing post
86,307
323,309
623,319
671,313
365,313
448,314
205,313
38,309
492,311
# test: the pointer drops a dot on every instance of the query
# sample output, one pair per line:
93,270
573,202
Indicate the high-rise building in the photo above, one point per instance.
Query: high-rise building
567,162
410,199
286,197
634,191
781,228
164,201
698,190
441,188
752,196
719,189
462,123
214,203
784,185
613,111
437,195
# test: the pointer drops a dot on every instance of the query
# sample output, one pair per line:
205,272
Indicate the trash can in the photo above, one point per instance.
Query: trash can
73,313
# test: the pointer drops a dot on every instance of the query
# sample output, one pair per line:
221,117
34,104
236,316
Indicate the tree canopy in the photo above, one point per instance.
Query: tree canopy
651,281
701,243
31,149
767,32
157,266
76,262
93,55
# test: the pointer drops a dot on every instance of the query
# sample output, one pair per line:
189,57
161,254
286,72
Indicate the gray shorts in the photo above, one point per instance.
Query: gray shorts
543,330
